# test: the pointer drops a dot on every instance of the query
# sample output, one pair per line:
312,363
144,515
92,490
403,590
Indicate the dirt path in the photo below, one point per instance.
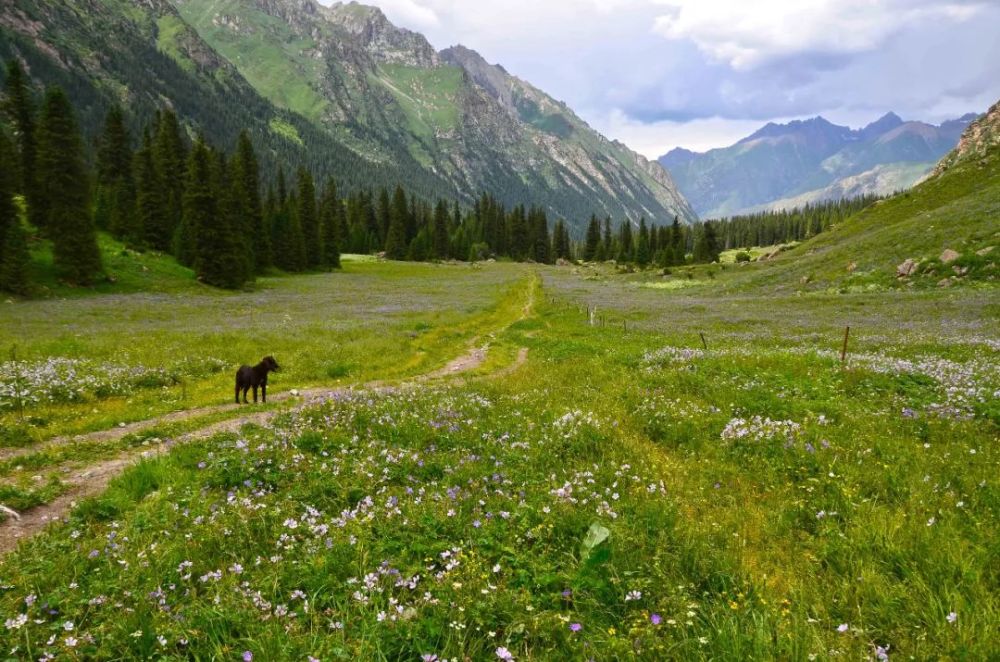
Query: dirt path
94,479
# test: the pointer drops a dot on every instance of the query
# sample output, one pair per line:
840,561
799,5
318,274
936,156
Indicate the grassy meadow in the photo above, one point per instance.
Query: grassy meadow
625,493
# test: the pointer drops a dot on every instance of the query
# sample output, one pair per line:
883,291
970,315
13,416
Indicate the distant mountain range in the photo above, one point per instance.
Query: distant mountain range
340,89
787,165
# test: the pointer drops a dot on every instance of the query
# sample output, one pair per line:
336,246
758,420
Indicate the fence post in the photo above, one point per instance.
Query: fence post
17,384
843,352
703,341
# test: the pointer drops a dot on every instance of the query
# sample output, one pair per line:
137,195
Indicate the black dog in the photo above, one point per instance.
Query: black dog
247,378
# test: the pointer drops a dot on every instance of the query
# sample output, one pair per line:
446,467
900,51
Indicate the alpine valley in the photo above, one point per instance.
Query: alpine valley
341,90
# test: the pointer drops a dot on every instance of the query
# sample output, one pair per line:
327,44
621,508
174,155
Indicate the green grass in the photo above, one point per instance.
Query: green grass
370,320
599,485
267,53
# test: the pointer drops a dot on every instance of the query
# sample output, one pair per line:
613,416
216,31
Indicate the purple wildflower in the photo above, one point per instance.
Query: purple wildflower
655,619
575,627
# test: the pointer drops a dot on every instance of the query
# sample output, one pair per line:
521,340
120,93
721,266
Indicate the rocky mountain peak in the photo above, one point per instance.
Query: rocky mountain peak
492,78
385,42
886,123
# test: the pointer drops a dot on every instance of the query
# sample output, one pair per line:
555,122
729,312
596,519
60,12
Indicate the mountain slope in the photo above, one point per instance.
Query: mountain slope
142,55
958,208
376,87
810,161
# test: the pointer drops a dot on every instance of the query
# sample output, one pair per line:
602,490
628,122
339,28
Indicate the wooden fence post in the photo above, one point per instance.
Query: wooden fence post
703,341
843,352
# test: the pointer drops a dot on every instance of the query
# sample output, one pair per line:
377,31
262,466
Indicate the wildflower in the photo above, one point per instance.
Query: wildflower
247,656
952,617
575,627
842,627
882,653
70,642
655,619
504,654
68,626
633,595
429,657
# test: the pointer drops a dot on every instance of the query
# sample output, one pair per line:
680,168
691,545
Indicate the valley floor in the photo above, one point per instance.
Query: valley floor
503,462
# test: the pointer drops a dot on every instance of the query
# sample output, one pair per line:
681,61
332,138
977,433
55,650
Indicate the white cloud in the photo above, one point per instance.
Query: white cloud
654,139
746,34
728,66
410,13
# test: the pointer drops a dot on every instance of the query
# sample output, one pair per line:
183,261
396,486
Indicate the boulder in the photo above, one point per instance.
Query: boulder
906,268
949,256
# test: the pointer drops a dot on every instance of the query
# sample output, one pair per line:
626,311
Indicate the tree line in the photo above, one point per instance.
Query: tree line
768,228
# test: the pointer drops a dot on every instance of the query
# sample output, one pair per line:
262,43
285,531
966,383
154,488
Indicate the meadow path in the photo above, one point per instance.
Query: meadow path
93,479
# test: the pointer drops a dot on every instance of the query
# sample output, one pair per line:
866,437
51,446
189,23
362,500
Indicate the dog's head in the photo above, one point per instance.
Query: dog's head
271,364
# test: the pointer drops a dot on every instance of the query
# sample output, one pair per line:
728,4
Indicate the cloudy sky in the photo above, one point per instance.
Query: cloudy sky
658,74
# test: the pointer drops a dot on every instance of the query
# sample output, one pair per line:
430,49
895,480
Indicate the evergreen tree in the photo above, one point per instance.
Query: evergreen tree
14,259
517,230
593,244
8,185
246,181
20,110
331,214
13,243
395,241
677,243
606,252
625,249
383,215
642,253
440,242
115,195
62,179
150,201
561,247
209,213
706,248
539,230
170,159
309,219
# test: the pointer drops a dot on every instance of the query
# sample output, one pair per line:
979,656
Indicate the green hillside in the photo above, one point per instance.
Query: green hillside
957,210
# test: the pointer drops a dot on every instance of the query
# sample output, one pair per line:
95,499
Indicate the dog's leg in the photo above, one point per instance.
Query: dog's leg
245,389
263,391
237,392
255,394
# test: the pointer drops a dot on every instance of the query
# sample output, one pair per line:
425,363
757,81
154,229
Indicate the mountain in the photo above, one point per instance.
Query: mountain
783,165
956,208
342,90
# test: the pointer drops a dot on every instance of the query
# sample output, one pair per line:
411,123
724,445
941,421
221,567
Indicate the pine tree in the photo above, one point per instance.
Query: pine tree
115,194
14,263
383,215
62,179
199,207
706,248
150,202
246,181
395,241
517,230
642,254
208,212
593,244
677,243
625,249
539,231
13,242
8,184
170,159
19,108
441,249
606,252
309,219
331,214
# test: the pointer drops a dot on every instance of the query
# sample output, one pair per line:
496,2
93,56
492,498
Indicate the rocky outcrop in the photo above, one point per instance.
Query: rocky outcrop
979,138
